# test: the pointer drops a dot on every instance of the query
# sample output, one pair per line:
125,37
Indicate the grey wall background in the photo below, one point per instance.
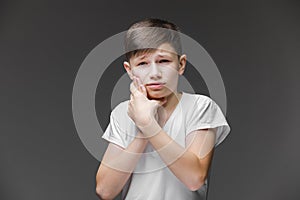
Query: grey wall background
255,44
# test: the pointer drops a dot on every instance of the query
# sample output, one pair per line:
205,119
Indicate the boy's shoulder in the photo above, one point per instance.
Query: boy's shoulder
198,98
121,107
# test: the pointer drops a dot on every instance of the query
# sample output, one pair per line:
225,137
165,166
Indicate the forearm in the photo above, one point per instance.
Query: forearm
109,182
184,164
115,170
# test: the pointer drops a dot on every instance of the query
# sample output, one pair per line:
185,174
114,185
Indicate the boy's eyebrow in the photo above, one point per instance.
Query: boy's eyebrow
164,54
160,54
141,56
138,58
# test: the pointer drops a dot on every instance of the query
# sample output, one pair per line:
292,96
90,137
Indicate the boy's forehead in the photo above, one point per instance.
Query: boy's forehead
166,48
159,52
163,50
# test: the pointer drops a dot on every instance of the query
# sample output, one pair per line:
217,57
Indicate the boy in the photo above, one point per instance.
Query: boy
161,140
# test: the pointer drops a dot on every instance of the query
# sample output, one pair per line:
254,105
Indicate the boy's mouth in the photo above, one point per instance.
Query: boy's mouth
155,85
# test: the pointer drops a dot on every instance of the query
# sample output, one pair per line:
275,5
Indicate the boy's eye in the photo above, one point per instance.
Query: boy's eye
164,61
142,63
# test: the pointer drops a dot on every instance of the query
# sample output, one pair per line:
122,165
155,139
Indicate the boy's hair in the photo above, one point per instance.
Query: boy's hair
146,35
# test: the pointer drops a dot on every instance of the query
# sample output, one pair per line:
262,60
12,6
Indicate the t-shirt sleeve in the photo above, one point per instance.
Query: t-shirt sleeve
114,132
207,114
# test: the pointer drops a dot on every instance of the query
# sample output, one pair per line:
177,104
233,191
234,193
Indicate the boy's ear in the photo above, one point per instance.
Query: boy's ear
182,64
128,69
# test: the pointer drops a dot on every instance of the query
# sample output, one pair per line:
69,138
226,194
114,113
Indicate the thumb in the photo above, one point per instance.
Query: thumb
159,103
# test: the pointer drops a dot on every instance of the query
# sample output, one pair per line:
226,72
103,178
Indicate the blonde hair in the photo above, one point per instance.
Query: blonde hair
145,35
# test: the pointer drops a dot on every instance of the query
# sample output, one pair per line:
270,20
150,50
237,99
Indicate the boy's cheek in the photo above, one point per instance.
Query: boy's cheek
138,75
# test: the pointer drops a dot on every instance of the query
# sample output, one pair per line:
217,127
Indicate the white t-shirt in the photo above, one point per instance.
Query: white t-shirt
152,179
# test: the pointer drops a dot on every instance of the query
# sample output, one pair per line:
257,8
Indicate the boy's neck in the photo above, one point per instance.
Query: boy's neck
167,109
172,101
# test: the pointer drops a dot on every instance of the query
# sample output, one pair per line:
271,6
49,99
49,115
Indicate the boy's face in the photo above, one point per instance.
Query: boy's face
158,70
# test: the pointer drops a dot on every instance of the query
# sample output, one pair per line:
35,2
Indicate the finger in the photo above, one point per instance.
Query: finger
135,81
141,86
133,89
143,89
159,102
155,102
138,82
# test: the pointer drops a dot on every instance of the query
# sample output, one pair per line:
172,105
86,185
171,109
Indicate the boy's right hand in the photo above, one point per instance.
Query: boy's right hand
137,83
142,110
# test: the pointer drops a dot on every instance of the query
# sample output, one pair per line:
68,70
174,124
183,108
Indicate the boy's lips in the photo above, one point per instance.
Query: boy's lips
155,85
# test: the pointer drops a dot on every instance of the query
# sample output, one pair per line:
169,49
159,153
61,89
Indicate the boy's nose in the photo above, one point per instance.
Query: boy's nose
155,72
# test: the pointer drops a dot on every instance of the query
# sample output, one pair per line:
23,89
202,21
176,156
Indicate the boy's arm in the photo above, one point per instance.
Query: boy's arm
117,166
186,164
191,164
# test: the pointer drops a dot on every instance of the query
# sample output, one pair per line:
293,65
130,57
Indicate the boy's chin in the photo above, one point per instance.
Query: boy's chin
158,98
162,100
158,95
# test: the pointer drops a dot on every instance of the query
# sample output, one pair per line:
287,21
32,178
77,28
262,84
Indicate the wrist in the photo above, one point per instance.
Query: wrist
150,129
141,137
